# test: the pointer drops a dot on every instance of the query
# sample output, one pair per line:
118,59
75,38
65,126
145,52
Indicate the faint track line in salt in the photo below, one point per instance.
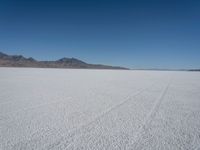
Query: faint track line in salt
150,116
156,105
129,98
118,105
104,113
193,146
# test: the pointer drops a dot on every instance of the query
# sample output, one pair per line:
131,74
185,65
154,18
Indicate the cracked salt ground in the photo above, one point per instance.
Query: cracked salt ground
99,109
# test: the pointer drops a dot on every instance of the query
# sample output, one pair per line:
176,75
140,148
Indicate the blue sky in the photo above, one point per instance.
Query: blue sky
135,34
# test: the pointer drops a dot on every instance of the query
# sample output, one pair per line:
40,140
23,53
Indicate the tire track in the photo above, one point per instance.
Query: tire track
150,116
72,132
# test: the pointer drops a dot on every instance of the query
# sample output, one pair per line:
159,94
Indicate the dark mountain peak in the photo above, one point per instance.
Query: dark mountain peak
18,57
70,60
3,55
12,57
31,59
64,59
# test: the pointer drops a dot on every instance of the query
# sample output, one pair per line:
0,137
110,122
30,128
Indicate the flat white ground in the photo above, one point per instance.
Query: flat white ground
99,109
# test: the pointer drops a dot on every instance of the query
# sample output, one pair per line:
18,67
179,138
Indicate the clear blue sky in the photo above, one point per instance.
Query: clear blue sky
135,34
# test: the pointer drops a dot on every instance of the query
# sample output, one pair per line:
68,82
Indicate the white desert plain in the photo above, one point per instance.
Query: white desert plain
99,109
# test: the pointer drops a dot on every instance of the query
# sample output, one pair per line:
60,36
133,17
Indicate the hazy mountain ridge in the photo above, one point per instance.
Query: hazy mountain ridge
21,61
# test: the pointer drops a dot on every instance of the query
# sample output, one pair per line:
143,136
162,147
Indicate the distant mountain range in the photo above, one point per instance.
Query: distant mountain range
21,61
